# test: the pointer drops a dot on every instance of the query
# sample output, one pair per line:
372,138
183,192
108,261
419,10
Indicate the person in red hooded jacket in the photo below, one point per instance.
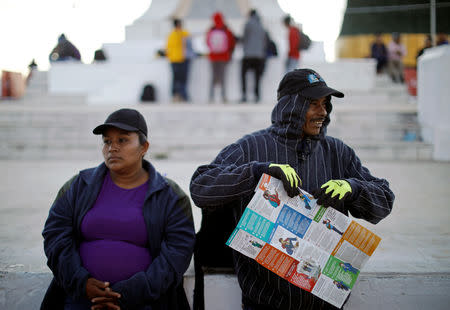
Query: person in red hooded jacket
221,42
293,57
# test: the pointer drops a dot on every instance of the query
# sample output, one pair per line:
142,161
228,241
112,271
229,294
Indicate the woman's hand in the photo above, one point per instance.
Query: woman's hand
105,303
101,295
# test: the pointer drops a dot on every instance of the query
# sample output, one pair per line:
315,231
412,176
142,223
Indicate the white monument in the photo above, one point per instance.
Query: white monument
134,62
433,95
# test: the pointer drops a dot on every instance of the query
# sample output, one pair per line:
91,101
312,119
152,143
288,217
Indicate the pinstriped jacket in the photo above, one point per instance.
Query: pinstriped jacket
230,179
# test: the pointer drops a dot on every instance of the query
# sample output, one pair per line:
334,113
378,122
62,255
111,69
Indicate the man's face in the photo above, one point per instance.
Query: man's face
315,116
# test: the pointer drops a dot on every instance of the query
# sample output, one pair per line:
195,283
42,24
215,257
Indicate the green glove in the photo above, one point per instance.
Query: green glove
333,192
287,175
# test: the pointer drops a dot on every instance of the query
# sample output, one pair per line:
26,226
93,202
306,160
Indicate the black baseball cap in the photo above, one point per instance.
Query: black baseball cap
306,82
126,119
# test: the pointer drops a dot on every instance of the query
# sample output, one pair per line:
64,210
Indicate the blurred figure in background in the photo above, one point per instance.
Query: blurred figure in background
176,51
427,44
254,45
442,39
31,68
396,52
221,43
378,51
64,50
294,42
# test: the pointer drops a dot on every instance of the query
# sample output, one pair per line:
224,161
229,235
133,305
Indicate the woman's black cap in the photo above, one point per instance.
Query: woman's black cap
126,119
306,82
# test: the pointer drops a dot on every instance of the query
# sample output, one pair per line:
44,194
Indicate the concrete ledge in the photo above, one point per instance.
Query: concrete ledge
413,291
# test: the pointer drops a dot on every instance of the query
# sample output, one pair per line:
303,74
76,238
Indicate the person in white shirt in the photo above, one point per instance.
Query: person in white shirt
396,52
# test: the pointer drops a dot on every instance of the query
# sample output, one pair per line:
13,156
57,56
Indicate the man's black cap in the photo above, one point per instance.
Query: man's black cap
126,119
306,82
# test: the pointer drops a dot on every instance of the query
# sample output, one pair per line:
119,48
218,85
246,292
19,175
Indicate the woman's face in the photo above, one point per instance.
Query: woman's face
122,151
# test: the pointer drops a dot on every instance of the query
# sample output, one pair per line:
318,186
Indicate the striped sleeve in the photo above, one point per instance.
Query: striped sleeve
372,198
226,179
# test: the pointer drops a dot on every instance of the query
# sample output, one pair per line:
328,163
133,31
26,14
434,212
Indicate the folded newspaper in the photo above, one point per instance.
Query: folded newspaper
317,249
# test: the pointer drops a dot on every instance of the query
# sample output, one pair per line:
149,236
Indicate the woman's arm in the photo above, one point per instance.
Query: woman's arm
63,258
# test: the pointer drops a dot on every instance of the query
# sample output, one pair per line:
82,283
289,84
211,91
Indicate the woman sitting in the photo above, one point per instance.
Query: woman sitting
119,236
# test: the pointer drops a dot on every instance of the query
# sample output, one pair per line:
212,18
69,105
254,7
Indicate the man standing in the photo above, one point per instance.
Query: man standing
295,147
378,51
293,56
254,43
176,50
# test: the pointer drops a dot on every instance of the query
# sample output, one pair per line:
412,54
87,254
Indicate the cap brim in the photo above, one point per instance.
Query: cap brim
320,91
101,128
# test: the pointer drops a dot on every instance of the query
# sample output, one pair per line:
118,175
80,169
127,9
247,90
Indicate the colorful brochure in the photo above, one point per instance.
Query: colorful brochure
315,248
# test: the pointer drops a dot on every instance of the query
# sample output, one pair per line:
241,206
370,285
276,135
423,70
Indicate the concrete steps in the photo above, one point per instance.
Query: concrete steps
196,131
379,124
37,93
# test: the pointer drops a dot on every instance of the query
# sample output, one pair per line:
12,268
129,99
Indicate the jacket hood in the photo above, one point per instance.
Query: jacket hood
218,20
288,117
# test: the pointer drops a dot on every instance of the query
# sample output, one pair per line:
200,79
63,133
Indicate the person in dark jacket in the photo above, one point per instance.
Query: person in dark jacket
64,50
378,51
427,44
295,149
254,43
119,236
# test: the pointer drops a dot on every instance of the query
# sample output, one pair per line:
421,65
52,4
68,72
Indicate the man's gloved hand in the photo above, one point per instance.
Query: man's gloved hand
287,175
333,193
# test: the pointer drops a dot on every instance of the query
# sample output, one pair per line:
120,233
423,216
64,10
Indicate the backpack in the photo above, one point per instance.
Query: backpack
271,50
148,93
218,41
305,41
271,47
99,55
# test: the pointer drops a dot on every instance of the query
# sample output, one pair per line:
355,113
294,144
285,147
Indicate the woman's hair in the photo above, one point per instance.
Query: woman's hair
142,138
176,22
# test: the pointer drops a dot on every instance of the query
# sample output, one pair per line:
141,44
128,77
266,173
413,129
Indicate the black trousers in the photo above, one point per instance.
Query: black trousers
257,66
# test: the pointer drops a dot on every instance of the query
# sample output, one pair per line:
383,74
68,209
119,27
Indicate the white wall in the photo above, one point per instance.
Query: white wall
433,97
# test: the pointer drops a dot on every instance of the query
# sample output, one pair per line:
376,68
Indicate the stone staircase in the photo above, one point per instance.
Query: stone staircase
380,125
37,92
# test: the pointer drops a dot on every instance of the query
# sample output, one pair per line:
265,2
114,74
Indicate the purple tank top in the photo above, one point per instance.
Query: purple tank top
115,241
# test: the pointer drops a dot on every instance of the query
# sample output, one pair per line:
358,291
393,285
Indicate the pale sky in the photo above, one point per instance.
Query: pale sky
30,28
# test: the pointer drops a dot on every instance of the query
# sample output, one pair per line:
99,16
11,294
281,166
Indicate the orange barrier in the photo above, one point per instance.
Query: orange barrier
13,85
410,75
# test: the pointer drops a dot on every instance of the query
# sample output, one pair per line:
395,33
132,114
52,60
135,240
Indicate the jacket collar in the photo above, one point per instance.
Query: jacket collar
95,177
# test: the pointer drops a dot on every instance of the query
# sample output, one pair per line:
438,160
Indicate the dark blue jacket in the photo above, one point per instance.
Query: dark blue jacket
171,237
230,181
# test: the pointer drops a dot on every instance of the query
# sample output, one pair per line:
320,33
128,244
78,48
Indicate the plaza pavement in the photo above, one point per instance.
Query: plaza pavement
409,270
